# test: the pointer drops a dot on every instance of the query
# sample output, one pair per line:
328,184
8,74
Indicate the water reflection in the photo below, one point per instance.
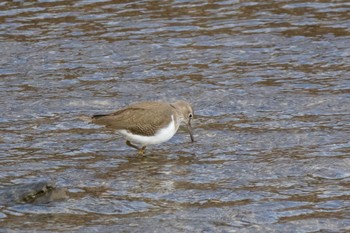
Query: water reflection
268,81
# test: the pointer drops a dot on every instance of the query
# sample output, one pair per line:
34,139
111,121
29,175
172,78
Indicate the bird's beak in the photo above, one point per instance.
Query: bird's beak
189,128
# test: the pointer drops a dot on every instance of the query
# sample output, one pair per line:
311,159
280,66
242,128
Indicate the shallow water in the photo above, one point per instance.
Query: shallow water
269,83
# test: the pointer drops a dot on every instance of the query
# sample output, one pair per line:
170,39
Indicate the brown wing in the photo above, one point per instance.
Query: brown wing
143,118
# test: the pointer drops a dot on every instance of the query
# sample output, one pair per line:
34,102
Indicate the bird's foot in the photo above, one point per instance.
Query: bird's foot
141,152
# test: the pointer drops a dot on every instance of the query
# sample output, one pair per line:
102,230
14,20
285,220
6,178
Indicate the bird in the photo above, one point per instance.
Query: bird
148,123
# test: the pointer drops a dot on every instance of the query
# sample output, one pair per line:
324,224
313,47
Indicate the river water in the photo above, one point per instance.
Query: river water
269,82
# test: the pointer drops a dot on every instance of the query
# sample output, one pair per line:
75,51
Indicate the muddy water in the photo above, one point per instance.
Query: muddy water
269,82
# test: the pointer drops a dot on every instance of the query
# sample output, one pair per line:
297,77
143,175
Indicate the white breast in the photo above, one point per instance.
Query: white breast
161,135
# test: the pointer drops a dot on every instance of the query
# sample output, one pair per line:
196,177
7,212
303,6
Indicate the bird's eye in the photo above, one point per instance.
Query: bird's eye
190,115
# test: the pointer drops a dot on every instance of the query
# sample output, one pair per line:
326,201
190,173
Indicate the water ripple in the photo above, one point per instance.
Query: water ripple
269,85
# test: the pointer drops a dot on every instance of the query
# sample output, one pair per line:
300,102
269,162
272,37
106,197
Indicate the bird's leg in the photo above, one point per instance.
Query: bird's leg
140,151
131,145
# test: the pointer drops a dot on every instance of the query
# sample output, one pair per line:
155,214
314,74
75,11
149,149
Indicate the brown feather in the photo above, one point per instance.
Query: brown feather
142,118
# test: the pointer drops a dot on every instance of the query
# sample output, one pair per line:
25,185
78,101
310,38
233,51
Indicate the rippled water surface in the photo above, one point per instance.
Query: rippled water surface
269,82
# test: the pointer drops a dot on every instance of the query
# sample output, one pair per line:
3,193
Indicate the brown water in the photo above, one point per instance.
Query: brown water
270,85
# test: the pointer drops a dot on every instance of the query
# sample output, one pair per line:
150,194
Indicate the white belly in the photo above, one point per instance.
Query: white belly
162,135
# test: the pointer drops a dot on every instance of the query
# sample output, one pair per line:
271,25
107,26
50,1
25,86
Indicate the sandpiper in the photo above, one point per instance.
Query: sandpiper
148,123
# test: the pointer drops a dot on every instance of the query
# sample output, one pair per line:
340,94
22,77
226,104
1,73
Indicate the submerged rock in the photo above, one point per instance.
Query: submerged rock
38,192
